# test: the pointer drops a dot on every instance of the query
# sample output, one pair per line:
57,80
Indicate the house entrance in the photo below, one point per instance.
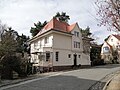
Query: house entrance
75,59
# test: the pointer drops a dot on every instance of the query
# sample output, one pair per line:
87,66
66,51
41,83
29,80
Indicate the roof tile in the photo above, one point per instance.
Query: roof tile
57,25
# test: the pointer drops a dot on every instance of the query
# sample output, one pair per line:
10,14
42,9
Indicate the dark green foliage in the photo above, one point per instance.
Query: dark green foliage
8,43
86,32
11,63
95,55
115,56
34,30
11,43
22,45
62,17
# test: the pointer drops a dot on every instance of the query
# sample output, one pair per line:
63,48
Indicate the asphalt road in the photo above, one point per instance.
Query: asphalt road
81,79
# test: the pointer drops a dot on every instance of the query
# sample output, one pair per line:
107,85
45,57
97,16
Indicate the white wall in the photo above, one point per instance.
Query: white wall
105,45
41,43
61,41
41,47
113,43
62,44
77,39
85,59
63,59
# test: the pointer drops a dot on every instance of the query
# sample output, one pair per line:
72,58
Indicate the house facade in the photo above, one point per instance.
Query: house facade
59,46
111,49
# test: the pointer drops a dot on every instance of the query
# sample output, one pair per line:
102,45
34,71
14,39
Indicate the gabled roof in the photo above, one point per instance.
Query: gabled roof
108,44
117,36
55,24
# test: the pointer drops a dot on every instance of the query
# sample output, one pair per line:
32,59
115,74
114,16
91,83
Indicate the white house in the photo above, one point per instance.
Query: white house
58,45
111,45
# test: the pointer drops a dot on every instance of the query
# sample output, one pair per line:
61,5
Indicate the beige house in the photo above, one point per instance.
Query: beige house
111,48
59,46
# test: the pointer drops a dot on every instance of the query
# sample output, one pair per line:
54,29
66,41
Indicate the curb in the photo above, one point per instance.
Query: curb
16,82
110,77
35,77
108,82
25,79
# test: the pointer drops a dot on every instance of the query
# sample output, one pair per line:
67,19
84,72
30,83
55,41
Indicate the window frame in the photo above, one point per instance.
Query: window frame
47,56
46,40
69,55
57,56
76,33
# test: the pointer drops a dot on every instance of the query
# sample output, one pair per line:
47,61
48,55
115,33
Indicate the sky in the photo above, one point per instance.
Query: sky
22,14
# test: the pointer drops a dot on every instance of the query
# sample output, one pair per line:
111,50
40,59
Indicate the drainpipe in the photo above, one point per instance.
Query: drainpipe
52,55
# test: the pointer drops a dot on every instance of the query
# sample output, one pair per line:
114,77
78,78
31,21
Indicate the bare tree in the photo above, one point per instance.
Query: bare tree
109,13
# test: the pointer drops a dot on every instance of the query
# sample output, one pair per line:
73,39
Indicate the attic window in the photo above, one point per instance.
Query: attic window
111,40
76,33
106,49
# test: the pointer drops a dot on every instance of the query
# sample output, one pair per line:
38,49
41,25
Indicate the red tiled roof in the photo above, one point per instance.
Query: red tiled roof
57,25
117,36
71,27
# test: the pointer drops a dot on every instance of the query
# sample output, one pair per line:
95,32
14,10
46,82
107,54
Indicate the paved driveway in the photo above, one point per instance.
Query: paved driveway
81,79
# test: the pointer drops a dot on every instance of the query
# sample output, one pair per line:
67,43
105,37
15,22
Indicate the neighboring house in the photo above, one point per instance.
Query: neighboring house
111,48
58,45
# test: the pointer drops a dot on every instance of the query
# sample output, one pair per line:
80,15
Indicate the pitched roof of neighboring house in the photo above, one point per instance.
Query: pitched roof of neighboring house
55,24
117,36
108,44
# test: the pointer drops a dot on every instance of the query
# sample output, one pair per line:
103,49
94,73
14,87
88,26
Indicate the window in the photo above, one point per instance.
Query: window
69,55
79,56
39,44
76,44
118,46
76,33
56,54
47,56
111,40
106,49
46,40
35,45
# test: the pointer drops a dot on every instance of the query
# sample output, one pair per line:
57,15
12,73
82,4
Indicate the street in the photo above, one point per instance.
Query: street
81,79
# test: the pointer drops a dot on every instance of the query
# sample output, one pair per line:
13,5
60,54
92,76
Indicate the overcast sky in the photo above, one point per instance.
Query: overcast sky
22,14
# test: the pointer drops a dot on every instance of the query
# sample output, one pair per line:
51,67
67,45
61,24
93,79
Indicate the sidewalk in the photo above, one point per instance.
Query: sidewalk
114,83
30,77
